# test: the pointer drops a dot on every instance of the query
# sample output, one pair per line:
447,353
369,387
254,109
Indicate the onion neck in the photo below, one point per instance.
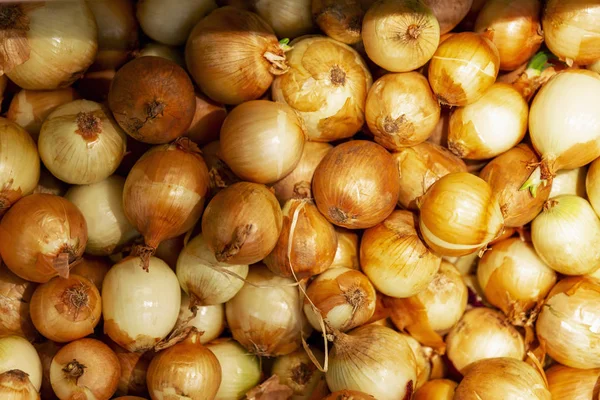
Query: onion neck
276,57
539,70
541,175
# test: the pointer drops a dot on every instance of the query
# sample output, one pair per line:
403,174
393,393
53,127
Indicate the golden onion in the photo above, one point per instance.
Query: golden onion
572,383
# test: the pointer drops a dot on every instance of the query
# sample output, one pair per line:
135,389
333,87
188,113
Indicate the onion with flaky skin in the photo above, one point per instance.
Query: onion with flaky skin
297,371
572,383
207,319
15,300
449,12
17,353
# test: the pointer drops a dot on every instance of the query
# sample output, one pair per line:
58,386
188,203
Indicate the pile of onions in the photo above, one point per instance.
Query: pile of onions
92,268
221,176
345,299
15,385
266,316
208,319
436,389
420,167
15,299
570,181
207,122
517,29
240,371
565,382
400,36
347,253
567,324
41,236
85,369
165,191
395,258
463,68
385,367
571,30
480,334
307,243
566,235
592,185
459,215
17,353
298,372
47,45
289,18
327,85
493,124
449,12
134,367
242,223
340,20
233,55
262,141
19,165
356,185
506,174
401,110
206,280
142,314
171,25
502,378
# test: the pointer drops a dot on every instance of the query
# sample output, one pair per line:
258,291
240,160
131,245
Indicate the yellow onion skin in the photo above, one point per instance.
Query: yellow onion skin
395,259
592,185
242,223
436,389
449,12
401,110
366,185
15,385
327,85
502,378
567,323
340,20
15,300
572,383
506,174
459,215
348,248
298,372
420,167
462,69
289,18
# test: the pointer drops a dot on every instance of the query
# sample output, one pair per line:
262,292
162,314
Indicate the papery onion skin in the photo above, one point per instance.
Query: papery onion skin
566,324
15,385
327,85
207,122
289,18
340,20
208,319
436,389
298,371
92,268
463,68
348,248
366,185
140,316
572,383
420,167
17,353
592,185
401,110
570,181
395,259
242,223
448,12
15,300
267,320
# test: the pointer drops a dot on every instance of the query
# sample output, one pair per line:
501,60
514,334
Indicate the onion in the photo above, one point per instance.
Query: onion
265,316
566,326
349,395
422,359
395,259
140,307
298,182
459,215
483,333
134,367
566,235
570,181
233,55
208,319
298,372
165,191
347,253
356,185
47,45
171,25
92,268
436,389
29,108
448,12
15,385
203,278
571,30
262,141
401,110
307,243
420,167
46,352
571,383
506,175
463,68
17,353
152,99
595,66
385,367
15,299
592,185
327,85
516,27
162,50
242,223
208,118
19,164
502,378
289,18
41,236
240,371
340,20
221,176
85,369
400,36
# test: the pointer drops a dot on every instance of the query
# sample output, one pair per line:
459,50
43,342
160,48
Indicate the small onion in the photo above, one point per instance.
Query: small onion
436,389
242,223
221,176
567,324
297,371
340,20
459,215
566,235
400,36
15,385
262,141
289,18
208,319
207,122
162,50
570,181
356,185
15,300
140,307
134,367
571,383
592,185
394,257
483,333
449,12
327,85
92,268
17,353
266,316
347,253
401,110
463,68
